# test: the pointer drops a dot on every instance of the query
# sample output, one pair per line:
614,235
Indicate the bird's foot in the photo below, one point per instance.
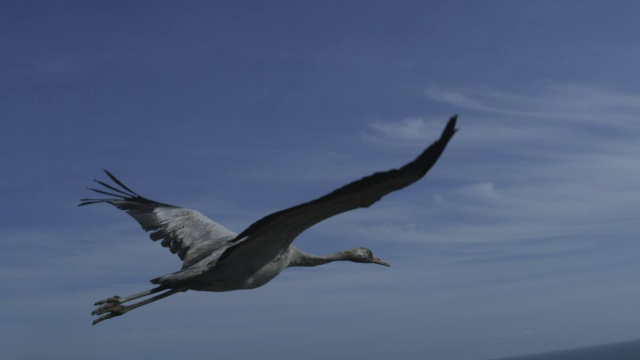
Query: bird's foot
113,299
112,307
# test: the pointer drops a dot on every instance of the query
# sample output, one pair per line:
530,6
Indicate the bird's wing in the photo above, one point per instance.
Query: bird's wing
185,232
274,233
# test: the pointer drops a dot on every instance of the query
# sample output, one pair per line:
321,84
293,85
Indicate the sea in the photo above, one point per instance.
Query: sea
628,350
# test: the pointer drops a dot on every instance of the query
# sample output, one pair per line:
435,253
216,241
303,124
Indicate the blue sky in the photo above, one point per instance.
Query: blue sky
522,239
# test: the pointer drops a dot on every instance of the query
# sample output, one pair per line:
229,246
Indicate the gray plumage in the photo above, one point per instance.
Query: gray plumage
217,259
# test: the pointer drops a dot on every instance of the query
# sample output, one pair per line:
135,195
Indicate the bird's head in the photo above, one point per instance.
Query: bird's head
364,255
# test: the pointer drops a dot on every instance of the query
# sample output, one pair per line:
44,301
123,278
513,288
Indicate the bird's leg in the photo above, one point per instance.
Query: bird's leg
119,300
113,306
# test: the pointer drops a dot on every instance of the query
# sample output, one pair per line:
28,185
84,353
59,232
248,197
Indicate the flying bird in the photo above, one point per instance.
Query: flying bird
217,259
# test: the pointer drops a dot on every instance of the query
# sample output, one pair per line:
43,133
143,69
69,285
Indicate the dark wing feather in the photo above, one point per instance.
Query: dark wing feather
185,232
275,232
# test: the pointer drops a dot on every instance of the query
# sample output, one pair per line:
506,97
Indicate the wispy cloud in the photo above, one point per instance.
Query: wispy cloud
405,129
557,101
409,132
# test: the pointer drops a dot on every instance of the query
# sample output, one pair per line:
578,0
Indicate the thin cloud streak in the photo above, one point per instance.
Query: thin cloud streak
560,101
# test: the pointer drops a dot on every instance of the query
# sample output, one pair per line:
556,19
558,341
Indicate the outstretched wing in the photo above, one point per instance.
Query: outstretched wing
185,232
274,233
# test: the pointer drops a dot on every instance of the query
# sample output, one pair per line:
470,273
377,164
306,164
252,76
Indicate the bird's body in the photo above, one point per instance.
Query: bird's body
217,259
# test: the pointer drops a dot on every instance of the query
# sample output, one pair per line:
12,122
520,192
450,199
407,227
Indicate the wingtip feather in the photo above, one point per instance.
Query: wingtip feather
115,180
450,129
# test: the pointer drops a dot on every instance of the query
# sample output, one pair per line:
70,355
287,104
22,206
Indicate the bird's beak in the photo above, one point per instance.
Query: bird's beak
377,260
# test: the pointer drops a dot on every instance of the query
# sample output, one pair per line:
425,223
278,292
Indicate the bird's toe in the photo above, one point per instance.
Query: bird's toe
113,308
114,299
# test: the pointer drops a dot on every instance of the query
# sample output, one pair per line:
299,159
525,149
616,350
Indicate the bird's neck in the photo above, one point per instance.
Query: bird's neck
298,257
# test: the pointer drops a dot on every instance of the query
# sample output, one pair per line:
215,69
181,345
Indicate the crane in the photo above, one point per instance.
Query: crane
217,259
